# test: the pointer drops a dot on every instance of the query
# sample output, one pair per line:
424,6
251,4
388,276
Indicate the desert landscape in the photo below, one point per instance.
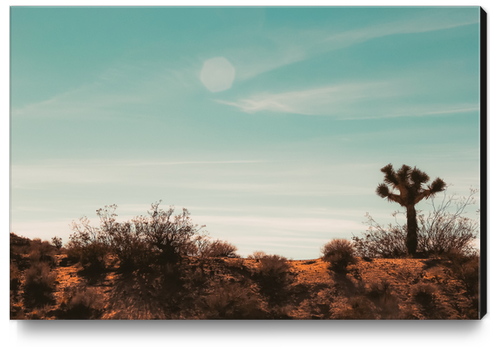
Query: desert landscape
158,267
300,138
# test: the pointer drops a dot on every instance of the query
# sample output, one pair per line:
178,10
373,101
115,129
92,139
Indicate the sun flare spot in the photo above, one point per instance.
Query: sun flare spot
217,74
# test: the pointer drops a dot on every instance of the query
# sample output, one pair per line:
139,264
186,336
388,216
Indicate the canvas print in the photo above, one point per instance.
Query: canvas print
246,163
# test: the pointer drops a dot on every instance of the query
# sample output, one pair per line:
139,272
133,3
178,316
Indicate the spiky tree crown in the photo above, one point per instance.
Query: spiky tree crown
409,182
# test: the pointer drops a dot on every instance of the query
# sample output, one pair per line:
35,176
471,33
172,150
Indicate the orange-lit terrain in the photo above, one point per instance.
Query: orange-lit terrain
264,287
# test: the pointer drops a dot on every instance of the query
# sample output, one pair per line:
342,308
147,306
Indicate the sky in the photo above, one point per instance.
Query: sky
269,124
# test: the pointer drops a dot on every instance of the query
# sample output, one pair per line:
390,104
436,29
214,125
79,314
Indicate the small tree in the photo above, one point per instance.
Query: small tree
409,183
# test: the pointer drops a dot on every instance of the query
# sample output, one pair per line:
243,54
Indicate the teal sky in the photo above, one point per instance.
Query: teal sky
269,124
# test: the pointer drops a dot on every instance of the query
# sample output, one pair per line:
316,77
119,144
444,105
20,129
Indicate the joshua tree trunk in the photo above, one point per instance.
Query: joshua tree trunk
411,230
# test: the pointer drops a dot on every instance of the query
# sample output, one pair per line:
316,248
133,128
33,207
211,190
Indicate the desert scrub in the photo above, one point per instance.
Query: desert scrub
339,253
358,307
273,265
81,304
430,303
221,248
57,242
441,231
39,284
232,301
15,278
466,269
380,293
317,307
42,251
257,255
274,277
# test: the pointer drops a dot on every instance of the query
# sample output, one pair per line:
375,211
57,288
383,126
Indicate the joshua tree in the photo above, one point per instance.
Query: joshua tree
409,183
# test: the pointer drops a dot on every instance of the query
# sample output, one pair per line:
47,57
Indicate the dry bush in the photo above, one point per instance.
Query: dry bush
357,307
386,302
443,230
15,278
424,294
128,246
381,242
257,255
88,245
168,235
81,304
467,270
317,307
339,253
221,248
57,242
42,251
430,303
38,284
159,238
18,246
92,255
272,274
233,301
273,265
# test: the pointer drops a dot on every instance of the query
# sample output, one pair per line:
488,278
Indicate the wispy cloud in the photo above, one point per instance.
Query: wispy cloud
288,46
121,89
427,21
363,100
328,100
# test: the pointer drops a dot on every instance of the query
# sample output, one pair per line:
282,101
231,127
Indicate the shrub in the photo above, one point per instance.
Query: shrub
220,248
159,238
92,256
38,284
15,277
467,270
88,245
273,265
431,303
339,253
232,301
381,242
257,255
81,304
18,245
168,235
128,246
272,273
441,231
318,306
57,242
358,307
380,294
41,251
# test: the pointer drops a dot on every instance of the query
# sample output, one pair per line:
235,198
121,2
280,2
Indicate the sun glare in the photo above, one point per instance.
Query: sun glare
217,74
